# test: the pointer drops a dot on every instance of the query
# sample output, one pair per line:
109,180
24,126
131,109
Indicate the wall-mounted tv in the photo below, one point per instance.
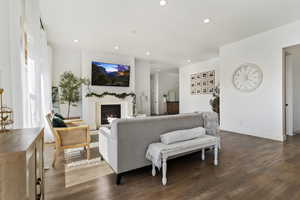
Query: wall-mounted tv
107,74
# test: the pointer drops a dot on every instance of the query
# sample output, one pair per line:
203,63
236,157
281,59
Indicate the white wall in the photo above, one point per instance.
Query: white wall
66,59
191,103
88,107
79,62
259,113
168,81
142,86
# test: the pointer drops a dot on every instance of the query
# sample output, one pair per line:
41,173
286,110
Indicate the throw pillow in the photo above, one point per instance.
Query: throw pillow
58,123
59,116
182,135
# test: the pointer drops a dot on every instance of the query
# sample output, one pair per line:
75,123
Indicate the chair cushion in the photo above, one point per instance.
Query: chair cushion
182,135
58,123
59,116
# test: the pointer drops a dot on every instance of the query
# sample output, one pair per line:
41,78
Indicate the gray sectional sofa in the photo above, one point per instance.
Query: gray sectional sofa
124,145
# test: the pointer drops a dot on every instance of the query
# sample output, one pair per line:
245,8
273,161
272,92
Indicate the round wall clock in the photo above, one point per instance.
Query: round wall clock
247,77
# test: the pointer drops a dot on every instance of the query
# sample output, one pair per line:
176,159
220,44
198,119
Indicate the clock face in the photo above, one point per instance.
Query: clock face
247,77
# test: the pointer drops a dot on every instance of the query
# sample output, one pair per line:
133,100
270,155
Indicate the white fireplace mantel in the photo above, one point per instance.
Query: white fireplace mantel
93,117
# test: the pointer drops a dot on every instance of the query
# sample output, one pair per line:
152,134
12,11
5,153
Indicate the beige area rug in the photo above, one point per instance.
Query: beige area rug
80,170
77,168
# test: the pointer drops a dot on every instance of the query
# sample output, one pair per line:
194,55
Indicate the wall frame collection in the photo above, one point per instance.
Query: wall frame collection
203,83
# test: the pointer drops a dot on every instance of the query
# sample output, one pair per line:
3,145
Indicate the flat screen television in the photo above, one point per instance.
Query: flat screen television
107,74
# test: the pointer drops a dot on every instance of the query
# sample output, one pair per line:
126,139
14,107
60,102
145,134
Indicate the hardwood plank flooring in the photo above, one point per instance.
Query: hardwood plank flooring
249,168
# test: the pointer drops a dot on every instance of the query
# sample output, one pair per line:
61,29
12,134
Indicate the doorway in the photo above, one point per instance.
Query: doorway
164,86
154,78
292,90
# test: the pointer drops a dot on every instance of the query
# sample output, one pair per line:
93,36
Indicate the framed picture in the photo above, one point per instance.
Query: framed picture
203,82
193,77
211,82
194,92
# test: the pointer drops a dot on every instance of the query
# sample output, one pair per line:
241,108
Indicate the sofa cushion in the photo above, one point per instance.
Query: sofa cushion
182,135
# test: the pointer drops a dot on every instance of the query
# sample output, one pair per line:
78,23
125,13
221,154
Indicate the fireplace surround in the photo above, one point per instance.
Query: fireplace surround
110,111
95,105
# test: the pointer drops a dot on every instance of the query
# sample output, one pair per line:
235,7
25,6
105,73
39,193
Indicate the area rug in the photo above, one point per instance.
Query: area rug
77,168
80,170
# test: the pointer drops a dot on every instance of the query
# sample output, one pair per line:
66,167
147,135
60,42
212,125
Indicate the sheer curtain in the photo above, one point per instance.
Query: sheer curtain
38,71
32,84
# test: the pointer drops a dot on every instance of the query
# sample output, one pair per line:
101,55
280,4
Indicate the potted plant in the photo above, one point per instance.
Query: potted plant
165,98
69,89
215,101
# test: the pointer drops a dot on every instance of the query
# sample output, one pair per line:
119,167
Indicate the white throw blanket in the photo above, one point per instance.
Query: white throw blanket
154,153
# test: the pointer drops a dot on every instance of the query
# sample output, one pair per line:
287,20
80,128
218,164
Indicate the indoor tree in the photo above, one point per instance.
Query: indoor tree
215,101
69,89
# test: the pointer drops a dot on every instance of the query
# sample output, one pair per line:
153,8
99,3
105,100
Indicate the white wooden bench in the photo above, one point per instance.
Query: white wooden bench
182,148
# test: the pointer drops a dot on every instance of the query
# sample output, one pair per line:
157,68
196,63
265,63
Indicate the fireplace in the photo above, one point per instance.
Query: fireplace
124,107
113,111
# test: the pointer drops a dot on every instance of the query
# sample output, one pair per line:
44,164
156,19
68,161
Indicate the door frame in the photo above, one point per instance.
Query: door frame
284,96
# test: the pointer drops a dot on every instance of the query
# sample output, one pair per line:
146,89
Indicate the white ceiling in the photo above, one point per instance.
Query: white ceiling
172,34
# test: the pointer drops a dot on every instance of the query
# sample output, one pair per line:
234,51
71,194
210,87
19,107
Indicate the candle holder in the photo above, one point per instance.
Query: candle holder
6,115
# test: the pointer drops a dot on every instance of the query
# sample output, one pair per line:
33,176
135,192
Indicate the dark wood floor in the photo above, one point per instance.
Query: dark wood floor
249,169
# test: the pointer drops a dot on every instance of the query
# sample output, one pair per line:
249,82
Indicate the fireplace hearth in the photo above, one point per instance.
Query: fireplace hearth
110,111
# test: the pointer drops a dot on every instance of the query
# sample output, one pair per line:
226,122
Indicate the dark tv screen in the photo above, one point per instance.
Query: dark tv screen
107,74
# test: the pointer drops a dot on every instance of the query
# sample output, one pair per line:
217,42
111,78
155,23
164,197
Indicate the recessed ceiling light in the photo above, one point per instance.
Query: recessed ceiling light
76,41
117,47
206,21
189,61
148,53
163,2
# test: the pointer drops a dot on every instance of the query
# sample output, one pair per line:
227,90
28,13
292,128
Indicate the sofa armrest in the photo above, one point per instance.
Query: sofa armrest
211,123
105,131
108,147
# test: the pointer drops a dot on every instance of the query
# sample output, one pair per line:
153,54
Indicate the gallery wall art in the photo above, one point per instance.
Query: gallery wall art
203,83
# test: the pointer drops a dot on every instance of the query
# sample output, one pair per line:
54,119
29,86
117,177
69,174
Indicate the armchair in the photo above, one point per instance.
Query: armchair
74,136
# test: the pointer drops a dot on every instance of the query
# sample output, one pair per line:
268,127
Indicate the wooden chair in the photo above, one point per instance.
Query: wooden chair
74,136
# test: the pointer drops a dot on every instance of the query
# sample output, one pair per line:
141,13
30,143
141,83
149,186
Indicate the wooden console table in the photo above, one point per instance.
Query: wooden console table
172,107
22,164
